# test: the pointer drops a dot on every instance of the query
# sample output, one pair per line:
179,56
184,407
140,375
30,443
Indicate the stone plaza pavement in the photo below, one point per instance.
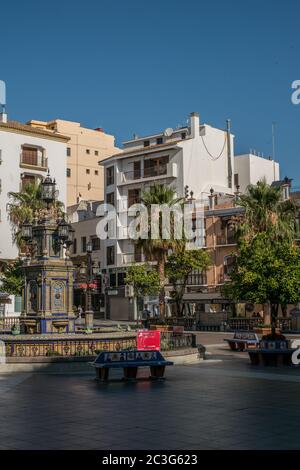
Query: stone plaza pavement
220,404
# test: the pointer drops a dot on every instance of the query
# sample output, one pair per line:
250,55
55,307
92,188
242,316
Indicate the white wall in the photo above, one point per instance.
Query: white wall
10,175
205,162
252,169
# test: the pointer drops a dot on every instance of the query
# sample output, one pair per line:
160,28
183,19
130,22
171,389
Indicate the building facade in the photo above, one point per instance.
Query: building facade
251,168
26,154
188,159
85,149
84,220
197,158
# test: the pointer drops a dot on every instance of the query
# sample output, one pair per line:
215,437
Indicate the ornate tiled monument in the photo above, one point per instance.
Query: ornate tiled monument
49,273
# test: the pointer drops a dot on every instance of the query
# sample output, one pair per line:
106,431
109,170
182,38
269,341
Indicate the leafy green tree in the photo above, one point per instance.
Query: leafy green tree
180,265
144,279
12,277
157,249
266,271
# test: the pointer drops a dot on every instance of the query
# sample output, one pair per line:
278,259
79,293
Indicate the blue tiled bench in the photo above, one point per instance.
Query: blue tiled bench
241,341
130,361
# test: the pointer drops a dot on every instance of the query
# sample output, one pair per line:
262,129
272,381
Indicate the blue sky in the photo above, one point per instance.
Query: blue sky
141,66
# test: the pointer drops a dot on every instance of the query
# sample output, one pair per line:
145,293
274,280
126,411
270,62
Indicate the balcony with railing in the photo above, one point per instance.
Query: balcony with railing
165,170
197,279
33,158
130,258
224,240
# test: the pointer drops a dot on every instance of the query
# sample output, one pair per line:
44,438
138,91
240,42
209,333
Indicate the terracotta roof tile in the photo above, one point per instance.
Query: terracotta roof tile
18,126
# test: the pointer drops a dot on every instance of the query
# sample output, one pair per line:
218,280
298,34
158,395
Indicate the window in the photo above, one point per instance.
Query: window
121,279
137,254
96,172
96,153
236,179
112,280
110,255
33,156
110,175
146,143
155,166
110,198
159,140
68,172
87,171
75,246
136,170
134,196
229,264
95,244
183,135
88,151
68,151
83,244
28,179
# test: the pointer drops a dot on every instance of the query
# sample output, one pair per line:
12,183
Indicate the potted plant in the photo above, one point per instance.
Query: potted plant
265,329
15,330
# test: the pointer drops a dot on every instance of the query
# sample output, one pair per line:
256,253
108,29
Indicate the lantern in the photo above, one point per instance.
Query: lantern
48,189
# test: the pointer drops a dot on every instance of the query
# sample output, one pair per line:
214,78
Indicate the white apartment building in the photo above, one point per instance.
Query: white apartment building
26,154
250,168
196,157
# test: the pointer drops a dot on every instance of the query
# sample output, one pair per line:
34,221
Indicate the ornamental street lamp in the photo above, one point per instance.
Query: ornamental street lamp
26,231
49,274
48,190
89,313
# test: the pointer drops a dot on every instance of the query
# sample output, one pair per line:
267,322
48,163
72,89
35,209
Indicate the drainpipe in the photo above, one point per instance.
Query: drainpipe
228,123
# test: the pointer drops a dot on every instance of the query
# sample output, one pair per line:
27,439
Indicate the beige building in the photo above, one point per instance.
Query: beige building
85,149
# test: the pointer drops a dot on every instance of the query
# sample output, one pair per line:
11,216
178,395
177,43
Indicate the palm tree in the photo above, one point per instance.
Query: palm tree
23,205
157,249
265,211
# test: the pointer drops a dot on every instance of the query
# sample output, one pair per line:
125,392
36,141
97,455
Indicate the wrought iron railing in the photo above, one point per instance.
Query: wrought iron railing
246,324
22,348
170,341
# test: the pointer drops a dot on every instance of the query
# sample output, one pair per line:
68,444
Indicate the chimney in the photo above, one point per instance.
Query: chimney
194,125
3,117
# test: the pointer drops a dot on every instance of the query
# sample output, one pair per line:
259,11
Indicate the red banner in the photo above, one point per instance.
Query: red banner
148,340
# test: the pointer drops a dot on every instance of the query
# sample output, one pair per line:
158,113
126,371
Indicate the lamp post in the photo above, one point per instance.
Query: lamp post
89,313
48,292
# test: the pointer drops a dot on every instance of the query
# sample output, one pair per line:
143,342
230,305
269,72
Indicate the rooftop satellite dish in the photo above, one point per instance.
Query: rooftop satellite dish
168,132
